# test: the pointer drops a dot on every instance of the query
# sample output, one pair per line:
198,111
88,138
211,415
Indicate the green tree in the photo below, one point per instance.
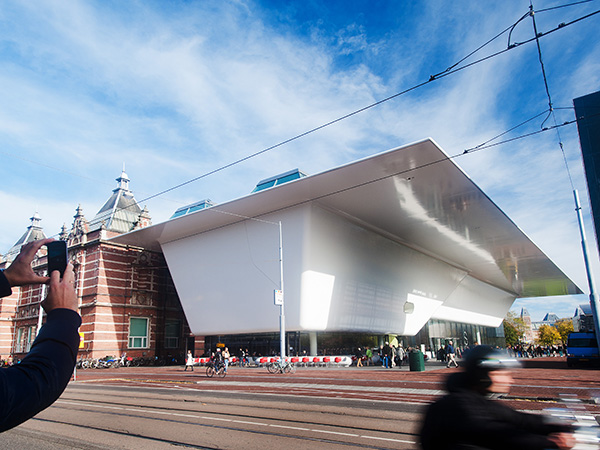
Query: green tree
514,328
548,335
564,327
510,333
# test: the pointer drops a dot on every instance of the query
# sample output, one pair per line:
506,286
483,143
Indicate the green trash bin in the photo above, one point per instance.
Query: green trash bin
416,361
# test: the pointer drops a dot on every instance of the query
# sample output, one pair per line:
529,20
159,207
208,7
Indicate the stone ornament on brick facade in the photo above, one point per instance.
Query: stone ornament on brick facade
113,282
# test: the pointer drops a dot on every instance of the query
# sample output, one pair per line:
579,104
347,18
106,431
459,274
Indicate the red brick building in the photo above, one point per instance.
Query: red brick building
127,299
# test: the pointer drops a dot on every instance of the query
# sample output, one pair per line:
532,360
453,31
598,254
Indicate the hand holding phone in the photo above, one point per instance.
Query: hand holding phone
57,257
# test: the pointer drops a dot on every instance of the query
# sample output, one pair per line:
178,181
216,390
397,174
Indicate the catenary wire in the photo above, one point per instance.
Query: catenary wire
449,71
453,69
411,169
390,175
551,108
564,6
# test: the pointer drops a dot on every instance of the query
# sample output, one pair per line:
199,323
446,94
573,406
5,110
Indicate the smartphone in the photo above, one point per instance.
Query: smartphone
57,257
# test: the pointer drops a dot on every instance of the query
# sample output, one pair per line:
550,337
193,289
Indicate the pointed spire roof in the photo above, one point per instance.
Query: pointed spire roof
524,312
64,233
120,212
550,317
33,233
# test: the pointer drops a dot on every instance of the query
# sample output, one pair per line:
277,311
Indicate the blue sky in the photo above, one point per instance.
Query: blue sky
174,90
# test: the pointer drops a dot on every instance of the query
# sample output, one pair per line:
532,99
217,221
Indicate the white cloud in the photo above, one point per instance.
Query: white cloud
175,92
538,307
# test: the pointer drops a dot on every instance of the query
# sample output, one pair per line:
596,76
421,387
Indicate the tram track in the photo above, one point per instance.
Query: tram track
282,421
311,410
216,406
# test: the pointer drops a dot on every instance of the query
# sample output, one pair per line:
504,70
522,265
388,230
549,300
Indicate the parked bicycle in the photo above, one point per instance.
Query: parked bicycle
280,366
218,369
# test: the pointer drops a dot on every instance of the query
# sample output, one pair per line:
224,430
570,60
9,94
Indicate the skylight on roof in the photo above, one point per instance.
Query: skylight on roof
279,179
203,204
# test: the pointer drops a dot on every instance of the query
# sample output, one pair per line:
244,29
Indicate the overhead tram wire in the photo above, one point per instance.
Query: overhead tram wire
564,6
593,296
482,145
547,88
449,71
390,175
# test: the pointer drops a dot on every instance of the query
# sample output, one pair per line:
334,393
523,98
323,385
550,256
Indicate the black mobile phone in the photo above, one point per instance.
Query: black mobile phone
57,257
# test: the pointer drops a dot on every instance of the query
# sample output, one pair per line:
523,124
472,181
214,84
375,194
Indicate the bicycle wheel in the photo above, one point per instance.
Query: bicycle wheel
221,372
210,371
272,367
291,368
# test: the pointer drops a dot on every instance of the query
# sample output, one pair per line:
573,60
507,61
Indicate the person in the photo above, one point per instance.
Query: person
450,355
226,355
400,354
369,355
468,418
189,361
386,352
41,377
358,354
217,358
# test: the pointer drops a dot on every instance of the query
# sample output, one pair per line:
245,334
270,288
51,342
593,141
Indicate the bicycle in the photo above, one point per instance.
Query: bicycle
215,368
281,367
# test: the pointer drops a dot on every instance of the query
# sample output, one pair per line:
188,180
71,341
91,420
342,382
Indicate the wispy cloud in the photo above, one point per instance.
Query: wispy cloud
176,90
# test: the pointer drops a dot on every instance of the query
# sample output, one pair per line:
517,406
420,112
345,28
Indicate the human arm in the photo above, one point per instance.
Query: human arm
20,272
34,384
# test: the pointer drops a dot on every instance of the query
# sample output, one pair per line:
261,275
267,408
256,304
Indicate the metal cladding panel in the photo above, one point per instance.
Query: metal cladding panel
475,302
338,276
358,280
226,279
415,197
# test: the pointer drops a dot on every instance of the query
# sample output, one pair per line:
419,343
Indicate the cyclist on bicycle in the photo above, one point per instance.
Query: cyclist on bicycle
217,358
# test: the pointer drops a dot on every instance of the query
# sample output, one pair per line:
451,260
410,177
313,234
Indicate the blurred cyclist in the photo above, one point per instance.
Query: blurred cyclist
467,417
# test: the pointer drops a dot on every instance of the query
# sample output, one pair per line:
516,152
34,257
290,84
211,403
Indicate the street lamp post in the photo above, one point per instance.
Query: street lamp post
594,303
281,306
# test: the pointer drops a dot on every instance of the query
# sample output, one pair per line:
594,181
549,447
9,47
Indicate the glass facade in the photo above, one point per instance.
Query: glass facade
434,336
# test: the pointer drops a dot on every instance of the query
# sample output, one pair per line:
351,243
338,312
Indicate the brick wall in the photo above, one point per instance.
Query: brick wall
114,284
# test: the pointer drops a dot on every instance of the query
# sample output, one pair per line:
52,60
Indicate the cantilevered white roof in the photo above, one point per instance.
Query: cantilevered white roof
414,195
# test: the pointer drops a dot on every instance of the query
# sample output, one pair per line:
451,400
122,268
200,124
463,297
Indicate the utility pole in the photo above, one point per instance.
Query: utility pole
279,299
282,306
594,303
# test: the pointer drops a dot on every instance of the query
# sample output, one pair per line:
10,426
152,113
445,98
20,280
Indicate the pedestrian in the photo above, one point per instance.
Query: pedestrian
386,352
41,377
450,355
189,361
359,355
400,354
468,418
369,355
226,355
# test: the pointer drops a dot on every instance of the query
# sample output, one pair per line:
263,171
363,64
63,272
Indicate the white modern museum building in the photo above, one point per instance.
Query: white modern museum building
388,245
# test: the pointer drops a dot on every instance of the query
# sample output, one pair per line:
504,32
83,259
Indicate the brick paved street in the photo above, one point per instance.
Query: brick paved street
541,383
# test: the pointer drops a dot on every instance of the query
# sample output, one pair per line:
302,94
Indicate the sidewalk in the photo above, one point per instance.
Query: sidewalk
539,384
